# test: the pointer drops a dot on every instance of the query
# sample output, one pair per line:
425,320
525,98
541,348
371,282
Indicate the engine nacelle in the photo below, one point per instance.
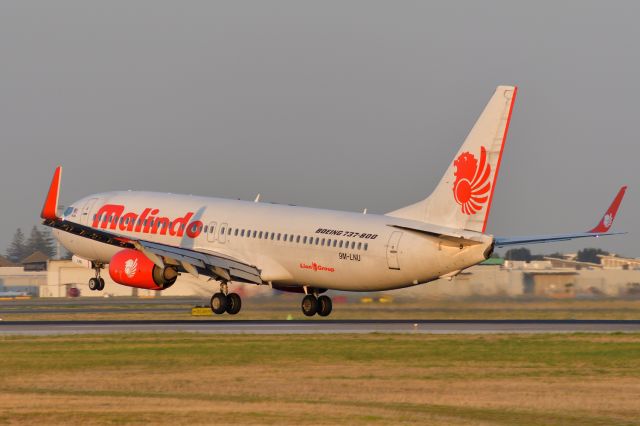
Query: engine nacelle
134,269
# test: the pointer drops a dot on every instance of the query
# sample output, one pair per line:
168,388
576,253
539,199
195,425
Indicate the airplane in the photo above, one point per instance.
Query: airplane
148,239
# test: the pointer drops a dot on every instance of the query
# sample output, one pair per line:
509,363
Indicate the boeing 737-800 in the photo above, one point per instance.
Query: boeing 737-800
148,239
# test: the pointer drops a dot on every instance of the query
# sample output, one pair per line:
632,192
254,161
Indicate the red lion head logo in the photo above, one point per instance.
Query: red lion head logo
471,187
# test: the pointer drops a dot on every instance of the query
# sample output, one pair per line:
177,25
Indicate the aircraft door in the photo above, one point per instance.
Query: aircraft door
392,250
211,231
86,210
224,229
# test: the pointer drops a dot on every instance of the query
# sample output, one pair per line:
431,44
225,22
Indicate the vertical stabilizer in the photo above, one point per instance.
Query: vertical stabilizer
462,199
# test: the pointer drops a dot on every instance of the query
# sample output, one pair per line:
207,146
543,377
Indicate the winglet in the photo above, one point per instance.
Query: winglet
50,208
607,220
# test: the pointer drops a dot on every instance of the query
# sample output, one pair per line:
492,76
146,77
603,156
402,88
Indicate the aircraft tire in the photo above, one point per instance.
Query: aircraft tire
94,284
309,305
218,303
234,303
325,306
101,284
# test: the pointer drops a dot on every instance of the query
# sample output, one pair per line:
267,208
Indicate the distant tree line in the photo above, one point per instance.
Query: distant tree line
591,255
39,240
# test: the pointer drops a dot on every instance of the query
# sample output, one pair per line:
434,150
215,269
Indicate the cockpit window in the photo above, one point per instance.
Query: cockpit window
68,211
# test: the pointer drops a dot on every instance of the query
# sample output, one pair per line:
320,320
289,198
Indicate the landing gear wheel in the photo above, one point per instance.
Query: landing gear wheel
94,284
234,303
101,284
218,303
324,306
309,305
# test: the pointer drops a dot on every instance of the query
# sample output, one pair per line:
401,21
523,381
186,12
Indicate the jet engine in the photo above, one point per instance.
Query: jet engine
134,269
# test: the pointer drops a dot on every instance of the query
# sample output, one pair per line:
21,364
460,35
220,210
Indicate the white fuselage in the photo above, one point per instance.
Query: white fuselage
291,246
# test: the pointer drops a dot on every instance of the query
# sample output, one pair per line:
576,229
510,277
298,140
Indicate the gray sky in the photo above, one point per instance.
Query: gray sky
335,104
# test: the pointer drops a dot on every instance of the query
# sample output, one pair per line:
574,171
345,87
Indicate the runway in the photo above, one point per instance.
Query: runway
319,326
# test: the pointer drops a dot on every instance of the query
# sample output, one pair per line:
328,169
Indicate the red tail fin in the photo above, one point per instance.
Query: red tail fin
50,208
607,220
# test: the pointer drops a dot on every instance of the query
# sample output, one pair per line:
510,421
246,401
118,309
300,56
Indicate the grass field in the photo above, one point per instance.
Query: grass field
283,307
191,379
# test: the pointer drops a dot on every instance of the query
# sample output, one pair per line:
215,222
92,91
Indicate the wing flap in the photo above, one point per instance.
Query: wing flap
235,268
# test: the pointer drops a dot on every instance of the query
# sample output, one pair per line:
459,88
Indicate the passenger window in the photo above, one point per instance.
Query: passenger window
291,238
359,246
335,242
297,238
322,243
235,233
260,235
206,229
304,240
272,235
340,244
317,240
353,245
278,238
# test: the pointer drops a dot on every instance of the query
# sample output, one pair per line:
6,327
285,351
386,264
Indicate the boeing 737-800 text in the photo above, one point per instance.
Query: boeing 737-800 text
148,239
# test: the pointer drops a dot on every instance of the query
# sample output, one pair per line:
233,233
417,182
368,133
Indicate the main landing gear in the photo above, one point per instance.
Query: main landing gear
224,301
312,305
97,283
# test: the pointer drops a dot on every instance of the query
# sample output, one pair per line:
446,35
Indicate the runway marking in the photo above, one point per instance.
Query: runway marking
318,326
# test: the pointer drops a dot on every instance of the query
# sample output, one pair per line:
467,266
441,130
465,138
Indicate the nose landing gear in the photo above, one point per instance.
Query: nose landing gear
97,283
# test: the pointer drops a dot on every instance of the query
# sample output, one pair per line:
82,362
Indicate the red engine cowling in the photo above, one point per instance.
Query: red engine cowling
134,269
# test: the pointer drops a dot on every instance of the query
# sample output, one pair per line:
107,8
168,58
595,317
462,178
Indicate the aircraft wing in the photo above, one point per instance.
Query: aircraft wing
209,263
600,230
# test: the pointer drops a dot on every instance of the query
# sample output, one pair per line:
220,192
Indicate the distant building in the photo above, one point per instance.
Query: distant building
619,262
4,262
35,262
494,278
570,263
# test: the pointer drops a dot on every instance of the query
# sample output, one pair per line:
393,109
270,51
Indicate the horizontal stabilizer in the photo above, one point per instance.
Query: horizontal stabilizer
511,241
600,230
